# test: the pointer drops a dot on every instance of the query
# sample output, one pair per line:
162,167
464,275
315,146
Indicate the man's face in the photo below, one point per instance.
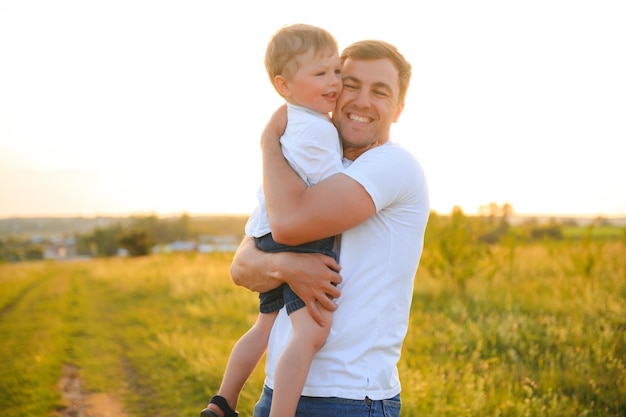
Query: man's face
367,105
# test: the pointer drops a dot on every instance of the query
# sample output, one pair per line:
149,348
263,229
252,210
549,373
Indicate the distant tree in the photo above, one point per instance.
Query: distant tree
173,229
33,253
535,229
497,224
454,249
184,226
102,241
553,231
219,225
15,249
137,242
6,251
570,222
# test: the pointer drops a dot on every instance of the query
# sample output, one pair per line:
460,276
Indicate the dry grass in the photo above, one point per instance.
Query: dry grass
536,336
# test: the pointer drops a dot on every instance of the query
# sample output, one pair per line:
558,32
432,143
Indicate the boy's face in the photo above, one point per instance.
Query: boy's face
316,84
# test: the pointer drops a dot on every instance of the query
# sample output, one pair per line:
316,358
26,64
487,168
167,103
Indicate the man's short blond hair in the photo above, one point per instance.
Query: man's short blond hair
375,49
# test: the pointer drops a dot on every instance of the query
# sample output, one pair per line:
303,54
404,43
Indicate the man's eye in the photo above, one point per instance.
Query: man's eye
349,86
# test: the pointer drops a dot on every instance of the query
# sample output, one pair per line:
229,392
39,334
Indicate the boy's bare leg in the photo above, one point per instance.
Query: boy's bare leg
244,358
293,366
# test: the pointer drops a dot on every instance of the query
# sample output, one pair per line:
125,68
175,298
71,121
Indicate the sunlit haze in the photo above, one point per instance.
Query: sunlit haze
136,106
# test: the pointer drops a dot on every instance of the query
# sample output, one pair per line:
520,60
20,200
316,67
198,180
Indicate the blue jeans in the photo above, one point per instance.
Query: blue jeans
333,407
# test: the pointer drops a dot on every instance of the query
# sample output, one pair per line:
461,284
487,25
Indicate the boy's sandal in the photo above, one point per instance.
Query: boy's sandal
222,404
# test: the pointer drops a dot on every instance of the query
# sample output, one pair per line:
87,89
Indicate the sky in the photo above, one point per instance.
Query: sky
124,107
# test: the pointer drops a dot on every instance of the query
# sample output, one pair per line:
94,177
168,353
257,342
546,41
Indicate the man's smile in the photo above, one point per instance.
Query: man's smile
359,119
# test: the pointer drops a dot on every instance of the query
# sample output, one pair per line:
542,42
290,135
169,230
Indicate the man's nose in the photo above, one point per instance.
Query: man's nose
362,98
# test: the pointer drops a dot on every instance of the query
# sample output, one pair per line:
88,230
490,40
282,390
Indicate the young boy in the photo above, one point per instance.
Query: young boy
303,65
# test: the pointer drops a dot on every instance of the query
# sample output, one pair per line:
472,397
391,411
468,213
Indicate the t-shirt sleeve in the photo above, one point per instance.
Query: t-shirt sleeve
390,175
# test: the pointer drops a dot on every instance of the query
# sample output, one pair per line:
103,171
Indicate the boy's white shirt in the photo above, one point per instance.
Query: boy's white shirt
379,259
312,147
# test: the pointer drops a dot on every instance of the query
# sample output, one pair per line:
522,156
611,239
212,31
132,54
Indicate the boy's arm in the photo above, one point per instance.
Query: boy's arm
312,276
300,214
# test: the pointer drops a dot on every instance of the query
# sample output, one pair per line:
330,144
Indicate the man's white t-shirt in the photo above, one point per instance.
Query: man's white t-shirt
311,146
379,259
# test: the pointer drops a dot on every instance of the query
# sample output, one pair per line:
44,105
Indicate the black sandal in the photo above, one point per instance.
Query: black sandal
222,404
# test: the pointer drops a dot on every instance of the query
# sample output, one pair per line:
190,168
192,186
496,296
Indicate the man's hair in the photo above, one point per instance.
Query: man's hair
290,42
374,49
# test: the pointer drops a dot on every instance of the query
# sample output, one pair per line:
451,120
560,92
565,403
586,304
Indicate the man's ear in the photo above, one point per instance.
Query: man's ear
282,86
398,112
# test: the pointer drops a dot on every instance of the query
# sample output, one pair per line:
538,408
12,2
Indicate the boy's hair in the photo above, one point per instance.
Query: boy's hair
375,49
290,42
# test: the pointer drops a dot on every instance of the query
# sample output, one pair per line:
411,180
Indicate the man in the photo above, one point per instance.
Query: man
379,205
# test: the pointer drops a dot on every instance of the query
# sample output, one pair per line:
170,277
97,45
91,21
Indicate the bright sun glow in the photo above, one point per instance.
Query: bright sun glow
138,106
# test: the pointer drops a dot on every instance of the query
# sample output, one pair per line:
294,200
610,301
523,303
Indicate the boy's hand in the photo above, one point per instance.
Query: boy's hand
275,127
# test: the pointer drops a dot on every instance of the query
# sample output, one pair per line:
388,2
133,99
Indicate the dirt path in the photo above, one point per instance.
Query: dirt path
82,404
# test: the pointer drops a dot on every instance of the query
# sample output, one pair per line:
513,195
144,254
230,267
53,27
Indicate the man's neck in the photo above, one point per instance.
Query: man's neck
352,153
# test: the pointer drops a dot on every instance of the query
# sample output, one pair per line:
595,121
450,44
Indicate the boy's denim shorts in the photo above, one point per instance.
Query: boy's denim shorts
276,298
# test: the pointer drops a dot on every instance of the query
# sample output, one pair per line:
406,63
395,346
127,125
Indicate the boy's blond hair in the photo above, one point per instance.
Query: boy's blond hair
292,41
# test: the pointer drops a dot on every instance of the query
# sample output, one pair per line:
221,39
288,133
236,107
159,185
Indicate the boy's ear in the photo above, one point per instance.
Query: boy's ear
282,86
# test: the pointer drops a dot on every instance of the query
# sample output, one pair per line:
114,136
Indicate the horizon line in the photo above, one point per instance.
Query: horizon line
242,214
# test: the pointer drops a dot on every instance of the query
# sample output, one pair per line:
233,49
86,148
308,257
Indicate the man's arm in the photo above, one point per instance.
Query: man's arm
312,276
300,214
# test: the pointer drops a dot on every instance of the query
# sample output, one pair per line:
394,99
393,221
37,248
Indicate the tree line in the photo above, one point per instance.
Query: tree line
454,242
136,234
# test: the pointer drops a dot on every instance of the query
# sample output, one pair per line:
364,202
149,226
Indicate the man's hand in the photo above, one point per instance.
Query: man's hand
314,277
310,275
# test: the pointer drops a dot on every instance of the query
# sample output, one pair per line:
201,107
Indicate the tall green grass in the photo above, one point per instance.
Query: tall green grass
541,341
530,334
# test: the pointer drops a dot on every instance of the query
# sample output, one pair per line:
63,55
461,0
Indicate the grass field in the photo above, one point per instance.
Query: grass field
538,335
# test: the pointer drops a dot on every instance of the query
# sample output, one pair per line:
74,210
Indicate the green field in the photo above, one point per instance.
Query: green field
540,332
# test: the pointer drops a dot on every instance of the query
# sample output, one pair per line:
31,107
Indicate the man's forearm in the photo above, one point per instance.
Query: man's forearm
281,184
300,214
252,268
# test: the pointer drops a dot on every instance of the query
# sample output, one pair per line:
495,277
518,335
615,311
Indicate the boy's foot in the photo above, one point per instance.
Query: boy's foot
222,404
208,413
